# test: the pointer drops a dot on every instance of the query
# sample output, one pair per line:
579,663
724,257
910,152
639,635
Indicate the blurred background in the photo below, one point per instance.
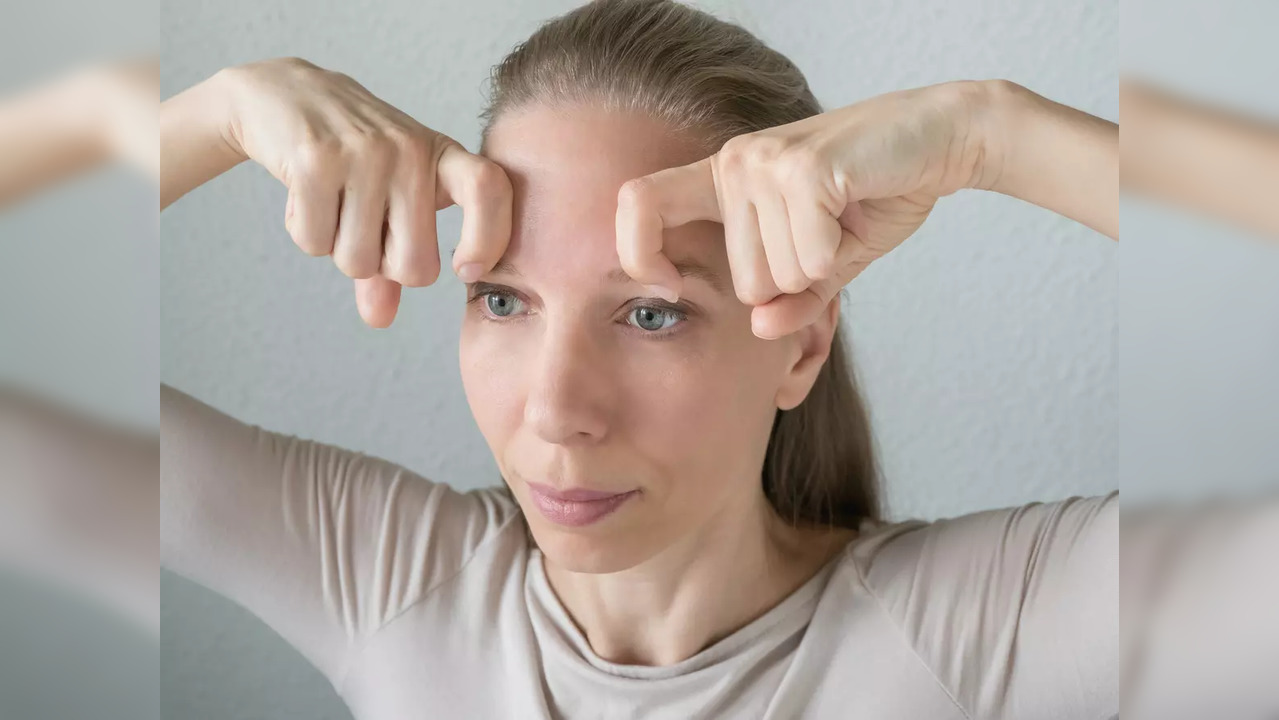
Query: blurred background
1199,300
79,325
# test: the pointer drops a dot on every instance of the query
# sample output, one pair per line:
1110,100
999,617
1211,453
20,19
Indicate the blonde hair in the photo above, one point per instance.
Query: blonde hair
710,80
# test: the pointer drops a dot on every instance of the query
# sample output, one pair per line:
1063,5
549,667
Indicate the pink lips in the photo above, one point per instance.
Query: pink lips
576,508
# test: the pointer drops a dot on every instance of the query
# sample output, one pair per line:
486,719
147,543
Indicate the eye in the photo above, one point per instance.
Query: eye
653,319
501,304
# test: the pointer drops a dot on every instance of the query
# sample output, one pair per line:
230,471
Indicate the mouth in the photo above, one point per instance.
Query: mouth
577,507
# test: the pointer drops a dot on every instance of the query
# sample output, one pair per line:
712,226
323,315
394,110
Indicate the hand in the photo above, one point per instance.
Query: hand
807,206
365,180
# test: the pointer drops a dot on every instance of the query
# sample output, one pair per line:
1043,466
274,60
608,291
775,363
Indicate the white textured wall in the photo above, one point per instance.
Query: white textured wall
986,344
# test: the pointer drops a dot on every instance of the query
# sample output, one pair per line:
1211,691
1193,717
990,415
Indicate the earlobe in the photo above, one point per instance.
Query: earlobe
812,348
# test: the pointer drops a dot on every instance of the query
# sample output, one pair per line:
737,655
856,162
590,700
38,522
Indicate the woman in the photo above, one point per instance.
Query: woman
656,230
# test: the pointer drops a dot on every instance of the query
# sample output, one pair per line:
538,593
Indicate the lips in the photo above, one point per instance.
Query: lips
574,495
577,507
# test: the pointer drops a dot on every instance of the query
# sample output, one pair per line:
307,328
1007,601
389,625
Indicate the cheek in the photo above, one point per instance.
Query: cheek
708,414
491,381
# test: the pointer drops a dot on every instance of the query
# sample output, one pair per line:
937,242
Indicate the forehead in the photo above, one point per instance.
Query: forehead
566,165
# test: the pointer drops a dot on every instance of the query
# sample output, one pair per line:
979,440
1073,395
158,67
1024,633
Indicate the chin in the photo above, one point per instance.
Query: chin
596,552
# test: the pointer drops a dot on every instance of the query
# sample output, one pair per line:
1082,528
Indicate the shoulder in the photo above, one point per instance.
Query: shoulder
1033,587
893,557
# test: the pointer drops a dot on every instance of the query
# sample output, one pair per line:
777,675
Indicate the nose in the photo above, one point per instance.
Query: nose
568,401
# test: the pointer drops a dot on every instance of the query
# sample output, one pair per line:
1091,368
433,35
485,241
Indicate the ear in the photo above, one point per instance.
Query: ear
811,347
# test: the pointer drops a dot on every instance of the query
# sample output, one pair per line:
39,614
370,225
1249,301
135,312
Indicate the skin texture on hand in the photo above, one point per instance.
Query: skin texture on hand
807,206
365,180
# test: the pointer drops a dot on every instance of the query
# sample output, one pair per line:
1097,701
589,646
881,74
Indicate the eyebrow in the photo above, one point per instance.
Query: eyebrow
686,268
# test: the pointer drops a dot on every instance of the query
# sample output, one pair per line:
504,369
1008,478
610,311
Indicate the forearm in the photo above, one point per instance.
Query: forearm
1054,156
1200,157
78,121
44,136
194,145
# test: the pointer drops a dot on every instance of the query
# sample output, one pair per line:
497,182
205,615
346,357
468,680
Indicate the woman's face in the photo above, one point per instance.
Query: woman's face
581,379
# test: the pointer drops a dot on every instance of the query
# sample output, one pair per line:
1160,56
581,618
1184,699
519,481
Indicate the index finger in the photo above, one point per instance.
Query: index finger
484,191
648,206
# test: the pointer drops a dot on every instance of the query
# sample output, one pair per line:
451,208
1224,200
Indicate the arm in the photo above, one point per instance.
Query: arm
76,123
1200,157
324,545
327,138
845,187
194,142
79,504
1015,610
1054,156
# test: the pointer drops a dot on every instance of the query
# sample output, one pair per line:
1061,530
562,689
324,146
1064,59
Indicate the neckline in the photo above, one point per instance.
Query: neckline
788,609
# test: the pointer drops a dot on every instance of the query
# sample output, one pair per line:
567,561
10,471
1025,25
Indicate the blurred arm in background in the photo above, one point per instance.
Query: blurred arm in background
79,497
1200,157
1199,581
79,504
74,123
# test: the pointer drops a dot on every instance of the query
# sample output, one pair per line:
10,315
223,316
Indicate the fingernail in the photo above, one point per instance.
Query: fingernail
757,327
470,272
663,292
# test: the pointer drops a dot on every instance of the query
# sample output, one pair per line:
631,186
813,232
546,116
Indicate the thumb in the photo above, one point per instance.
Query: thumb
786,314
377,299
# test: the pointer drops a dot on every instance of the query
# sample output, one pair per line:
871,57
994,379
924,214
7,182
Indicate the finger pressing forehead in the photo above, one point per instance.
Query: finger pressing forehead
568,166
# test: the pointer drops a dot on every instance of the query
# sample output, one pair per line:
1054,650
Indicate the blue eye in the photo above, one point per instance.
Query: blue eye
501,304
653,319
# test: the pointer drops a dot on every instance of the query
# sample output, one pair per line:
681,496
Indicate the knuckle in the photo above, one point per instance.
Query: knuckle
636,192
317,156
293,61
420,273
819,266
409,146
752,294
369,147
735,153
792,283
800,163
489,183
414,262
400,138
311,245
765,148
355,265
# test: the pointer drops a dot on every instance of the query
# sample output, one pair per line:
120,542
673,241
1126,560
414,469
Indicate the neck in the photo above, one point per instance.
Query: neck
696,591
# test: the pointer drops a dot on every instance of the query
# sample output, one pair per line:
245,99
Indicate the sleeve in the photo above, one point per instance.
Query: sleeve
78,504
324,545
1016,611
1200,589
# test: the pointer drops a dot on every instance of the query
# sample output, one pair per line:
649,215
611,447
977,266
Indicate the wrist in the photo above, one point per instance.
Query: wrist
198,141
217,98
1000,111
1050,155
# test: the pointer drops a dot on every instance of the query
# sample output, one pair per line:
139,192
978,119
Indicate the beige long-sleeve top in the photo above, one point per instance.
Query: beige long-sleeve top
420,601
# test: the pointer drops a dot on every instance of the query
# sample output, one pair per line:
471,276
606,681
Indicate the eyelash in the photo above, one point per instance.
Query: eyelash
480,293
